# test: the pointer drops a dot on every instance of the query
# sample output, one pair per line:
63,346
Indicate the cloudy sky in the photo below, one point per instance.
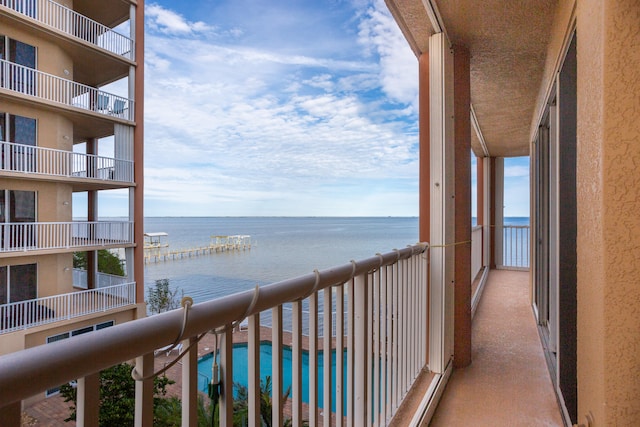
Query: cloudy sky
279,107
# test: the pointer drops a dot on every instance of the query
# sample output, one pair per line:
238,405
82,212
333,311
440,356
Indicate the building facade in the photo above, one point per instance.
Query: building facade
71,128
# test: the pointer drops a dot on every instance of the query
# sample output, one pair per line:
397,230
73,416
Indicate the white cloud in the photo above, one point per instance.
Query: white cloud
244,128
399,67
170,22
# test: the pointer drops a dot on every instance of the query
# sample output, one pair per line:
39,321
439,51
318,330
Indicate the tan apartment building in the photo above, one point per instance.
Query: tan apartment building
71,102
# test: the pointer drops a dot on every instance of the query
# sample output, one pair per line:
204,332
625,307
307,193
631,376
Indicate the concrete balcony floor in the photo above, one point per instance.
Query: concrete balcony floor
508,383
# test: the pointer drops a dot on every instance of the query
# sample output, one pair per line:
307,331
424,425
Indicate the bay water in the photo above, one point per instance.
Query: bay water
282,248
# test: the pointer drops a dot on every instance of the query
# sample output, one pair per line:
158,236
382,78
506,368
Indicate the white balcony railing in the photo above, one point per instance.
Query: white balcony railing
382,344
40,311
32,236
29,81
104,280
476,251
47,161
74,24
515,247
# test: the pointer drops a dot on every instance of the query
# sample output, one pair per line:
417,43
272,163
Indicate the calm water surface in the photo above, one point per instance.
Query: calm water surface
282,248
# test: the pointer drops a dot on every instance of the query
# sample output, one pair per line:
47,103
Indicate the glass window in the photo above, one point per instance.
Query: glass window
3,285
22,53
22,130
23,282
23,206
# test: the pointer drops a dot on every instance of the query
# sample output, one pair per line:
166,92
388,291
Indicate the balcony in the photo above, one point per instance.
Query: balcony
104,280
46,162
41,311
16,238
73,24
383,338
33,83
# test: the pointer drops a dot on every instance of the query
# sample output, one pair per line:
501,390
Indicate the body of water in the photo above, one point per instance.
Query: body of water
283,247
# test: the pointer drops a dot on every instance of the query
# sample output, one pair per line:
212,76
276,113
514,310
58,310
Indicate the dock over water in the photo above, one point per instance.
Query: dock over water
156,251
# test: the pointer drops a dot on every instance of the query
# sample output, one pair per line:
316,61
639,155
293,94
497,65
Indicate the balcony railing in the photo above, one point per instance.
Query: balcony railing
47,161
33,236
104,280
74,24
40,311
29,81
515,248
382,346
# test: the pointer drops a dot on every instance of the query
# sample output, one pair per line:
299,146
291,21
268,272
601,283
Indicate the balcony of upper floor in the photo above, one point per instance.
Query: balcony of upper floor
36,238
94,34
83,171
92,110
110,294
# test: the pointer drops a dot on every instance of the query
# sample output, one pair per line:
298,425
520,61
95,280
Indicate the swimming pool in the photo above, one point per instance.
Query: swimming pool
241,363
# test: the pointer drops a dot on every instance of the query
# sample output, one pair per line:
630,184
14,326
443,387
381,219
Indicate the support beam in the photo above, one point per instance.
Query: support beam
462,103
442,207
424,138
137,194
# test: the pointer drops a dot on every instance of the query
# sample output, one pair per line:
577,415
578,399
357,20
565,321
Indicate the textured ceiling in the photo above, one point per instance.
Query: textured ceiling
507,40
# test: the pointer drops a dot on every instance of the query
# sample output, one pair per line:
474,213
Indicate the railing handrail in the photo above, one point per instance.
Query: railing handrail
55,150
53,297
68,90
81,21
74,222
77,357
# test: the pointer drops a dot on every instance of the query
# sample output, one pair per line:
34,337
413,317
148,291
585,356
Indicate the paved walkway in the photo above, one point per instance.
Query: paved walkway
508,383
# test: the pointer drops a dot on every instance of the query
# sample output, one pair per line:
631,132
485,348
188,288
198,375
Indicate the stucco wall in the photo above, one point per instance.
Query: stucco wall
608,205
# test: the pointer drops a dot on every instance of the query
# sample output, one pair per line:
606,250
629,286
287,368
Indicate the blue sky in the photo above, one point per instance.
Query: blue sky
278,107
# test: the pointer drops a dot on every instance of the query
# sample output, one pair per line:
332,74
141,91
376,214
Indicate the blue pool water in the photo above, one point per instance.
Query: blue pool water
240,370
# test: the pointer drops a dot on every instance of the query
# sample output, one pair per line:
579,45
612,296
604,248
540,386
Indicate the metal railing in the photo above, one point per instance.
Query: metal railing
476,251
40,311
384,340
29,81
32,236
104,280
515,246
74,24
47,161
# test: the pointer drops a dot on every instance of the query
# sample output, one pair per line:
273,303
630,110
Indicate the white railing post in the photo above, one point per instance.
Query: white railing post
277,404
327,339
361,378
226,378
190,384
88,400
253,386
144,391
340,330
296,363
11,415
313,360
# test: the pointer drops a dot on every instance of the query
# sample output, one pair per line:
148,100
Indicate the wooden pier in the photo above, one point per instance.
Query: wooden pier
162,253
